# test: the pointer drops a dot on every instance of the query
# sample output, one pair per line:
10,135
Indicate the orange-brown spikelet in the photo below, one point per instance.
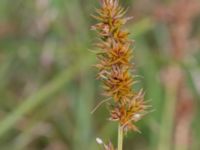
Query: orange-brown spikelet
130,112
109,146
115,65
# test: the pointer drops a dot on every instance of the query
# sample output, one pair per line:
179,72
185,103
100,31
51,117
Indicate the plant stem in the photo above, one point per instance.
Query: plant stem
120,137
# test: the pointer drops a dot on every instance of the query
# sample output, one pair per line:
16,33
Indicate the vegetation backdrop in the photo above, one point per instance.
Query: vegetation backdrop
48,86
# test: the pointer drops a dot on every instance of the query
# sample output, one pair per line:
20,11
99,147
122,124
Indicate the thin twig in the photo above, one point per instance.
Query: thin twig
100,105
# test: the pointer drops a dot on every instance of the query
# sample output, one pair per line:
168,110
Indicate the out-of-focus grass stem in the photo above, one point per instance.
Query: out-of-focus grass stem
167,121
43,94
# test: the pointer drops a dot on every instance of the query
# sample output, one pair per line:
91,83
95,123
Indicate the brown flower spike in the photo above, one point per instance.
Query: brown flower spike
115,65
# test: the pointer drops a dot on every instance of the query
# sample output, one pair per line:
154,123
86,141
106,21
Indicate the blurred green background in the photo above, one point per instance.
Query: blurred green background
48,86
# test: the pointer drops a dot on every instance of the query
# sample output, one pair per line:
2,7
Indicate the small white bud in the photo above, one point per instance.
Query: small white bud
99,141
136,117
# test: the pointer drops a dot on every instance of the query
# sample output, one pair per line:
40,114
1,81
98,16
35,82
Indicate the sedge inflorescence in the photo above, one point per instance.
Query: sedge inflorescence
115,65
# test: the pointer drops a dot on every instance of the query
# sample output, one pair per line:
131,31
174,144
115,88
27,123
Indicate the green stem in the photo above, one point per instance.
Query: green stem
120,137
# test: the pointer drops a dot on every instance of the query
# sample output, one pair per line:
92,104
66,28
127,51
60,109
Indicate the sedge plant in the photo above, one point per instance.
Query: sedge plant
115,69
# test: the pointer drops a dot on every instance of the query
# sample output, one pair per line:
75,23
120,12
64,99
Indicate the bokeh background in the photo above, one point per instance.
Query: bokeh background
48,86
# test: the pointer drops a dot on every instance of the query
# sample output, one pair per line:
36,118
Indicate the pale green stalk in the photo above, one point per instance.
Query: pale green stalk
120,137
